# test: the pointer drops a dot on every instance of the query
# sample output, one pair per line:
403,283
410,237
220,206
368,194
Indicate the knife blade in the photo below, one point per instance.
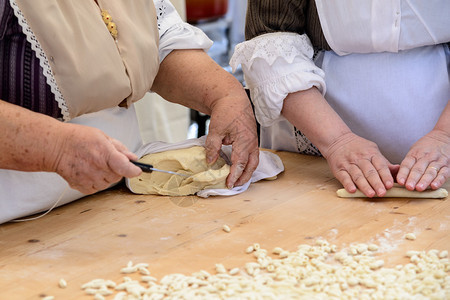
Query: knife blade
149,168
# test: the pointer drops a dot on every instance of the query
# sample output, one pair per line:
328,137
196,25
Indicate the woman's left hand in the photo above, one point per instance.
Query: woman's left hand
191,78
233,123
427,162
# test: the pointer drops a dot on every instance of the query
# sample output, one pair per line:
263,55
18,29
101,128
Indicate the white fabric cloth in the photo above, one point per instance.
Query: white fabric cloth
377,26
275,65
269,165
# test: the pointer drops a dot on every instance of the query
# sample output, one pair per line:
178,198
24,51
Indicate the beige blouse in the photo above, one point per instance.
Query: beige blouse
90,69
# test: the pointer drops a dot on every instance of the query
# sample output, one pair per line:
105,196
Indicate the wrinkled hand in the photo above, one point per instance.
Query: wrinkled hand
233,123
427,162
358,163
89,160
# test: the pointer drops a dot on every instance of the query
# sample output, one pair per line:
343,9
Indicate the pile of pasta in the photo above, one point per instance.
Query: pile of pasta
318,271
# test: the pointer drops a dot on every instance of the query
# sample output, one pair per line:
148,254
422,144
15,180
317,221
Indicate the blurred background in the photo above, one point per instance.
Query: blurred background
223,21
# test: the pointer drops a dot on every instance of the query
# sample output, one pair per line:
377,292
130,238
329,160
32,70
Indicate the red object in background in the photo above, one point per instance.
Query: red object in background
200,10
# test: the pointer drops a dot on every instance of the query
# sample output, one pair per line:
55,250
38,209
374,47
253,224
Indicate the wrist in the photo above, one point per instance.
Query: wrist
59,134
336,143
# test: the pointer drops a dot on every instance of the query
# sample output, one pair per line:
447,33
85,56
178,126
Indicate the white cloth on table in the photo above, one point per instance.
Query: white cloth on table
269,164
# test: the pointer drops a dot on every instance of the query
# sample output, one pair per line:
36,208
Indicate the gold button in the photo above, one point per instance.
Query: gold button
112,28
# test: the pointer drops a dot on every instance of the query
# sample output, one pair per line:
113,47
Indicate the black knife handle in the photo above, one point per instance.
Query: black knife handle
144,167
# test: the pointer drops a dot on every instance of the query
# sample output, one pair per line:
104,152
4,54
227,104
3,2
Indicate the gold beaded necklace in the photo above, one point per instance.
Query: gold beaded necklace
112,28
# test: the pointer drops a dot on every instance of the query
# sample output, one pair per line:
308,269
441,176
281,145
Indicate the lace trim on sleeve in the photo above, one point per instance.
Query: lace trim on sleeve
274,65
174,33
44,63
166,15
271,46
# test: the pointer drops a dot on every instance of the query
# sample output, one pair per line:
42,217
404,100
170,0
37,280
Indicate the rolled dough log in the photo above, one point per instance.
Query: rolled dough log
398,192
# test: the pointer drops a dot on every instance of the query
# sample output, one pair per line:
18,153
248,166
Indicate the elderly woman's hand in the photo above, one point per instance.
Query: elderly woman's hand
233,123
427,162
89,160
358,163
193,79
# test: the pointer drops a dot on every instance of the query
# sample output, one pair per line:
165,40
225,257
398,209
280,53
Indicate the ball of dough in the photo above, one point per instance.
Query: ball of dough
190,161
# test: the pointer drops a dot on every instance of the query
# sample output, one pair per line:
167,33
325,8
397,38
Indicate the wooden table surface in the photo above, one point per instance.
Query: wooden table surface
96,236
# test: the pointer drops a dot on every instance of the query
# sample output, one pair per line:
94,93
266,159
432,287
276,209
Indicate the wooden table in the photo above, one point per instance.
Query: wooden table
96,236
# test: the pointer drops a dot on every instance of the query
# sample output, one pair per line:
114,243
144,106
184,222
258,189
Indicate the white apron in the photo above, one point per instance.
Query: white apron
392,89
390,99
25,193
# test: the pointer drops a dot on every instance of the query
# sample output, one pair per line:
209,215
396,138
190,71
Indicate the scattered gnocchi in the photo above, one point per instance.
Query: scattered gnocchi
316,271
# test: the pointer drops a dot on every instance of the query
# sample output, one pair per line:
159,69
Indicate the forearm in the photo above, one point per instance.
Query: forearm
443,124
27,138
191,78
310,113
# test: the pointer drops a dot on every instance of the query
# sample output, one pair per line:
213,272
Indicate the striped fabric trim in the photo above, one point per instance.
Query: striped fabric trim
23,78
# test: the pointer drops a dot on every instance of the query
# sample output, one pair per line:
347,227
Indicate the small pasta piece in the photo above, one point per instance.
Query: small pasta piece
376,264
62,283
411,253
277,250
372,247
144,271
410,236
220,269
121,296
443,254
226,228
234,271
99,297
128,270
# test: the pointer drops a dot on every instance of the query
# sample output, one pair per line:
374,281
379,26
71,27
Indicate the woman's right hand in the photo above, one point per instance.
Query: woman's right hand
358,163
354,161
88,159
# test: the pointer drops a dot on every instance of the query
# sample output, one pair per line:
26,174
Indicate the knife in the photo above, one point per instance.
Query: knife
149,168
